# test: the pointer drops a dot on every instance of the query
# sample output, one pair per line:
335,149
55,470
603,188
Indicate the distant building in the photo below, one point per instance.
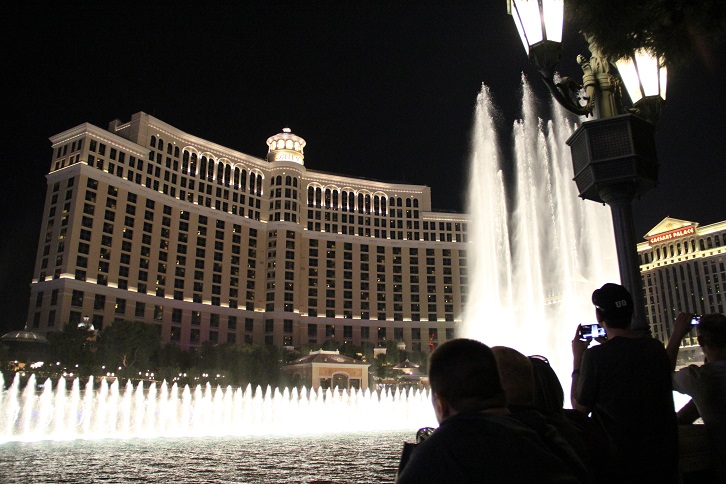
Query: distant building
409,375
146,222
683,270
327,369
25,346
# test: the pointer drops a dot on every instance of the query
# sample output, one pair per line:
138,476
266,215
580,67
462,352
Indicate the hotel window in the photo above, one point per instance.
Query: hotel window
99,302
120,307
77,298
139,309
194,336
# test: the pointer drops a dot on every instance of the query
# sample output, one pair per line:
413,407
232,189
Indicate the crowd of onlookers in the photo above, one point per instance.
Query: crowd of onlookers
502,418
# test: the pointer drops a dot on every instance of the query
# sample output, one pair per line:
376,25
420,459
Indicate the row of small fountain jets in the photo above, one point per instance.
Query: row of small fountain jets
148,410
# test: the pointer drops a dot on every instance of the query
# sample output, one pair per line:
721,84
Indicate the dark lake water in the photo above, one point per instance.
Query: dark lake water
333,458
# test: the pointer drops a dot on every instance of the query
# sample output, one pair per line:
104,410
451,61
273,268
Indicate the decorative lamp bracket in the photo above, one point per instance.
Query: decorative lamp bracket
601,86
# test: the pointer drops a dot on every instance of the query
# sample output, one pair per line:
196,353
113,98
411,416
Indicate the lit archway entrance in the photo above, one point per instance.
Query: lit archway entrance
340,380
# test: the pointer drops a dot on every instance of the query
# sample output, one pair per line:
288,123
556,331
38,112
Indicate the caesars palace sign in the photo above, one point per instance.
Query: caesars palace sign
673,234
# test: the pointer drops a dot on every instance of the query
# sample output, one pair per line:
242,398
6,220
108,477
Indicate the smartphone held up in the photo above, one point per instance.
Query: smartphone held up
588,332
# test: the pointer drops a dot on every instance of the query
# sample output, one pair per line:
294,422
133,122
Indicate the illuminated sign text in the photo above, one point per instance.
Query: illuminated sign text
673,234
284,156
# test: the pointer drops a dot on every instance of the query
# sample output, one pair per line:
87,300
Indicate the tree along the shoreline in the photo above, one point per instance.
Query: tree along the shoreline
131,349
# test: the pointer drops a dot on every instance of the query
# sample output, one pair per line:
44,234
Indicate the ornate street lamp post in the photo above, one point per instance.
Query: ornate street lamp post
613,156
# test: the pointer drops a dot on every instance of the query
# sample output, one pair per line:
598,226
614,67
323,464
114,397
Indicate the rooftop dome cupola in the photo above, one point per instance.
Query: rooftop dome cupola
285,146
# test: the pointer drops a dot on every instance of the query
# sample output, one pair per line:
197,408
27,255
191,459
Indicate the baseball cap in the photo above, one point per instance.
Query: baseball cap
613,300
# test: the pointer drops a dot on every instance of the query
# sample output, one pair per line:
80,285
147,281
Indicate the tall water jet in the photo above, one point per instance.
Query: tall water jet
538,251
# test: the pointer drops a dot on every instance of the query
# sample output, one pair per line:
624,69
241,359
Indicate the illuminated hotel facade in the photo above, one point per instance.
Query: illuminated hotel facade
146,222
682,268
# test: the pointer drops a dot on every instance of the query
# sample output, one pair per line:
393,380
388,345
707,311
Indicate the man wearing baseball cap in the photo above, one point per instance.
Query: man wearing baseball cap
625,383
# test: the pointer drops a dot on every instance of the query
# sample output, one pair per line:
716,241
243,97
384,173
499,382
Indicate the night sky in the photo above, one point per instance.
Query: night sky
382,90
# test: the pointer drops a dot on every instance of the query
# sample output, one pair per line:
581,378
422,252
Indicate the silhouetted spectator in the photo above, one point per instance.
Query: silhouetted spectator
706,384
625,382
583,434
549,396
515,372
477,440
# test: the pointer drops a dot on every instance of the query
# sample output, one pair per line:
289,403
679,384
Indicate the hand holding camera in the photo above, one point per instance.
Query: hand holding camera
684,323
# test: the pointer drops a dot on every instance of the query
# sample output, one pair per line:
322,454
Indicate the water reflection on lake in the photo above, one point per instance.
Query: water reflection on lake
336,458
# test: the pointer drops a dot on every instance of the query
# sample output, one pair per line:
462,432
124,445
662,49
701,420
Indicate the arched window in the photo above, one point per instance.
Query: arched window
279,179
185,162
351,201
193,165
152,142
227,174
408,203
318,196
415,203
376,204
253,179
368,203
311,196
383,205
210,170
220,172
236,177
288,181
344,201
243,180
360,203
161,145
203,167
168,149
176,152
259,185
294,182
327,197
335,199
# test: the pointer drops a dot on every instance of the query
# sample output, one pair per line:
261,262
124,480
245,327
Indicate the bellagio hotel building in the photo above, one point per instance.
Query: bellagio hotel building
146,222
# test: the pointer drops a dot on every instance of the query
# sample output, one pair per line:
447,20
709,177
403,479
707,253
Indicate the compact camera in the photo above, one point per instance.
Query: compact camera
696,320
587,332
422,434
